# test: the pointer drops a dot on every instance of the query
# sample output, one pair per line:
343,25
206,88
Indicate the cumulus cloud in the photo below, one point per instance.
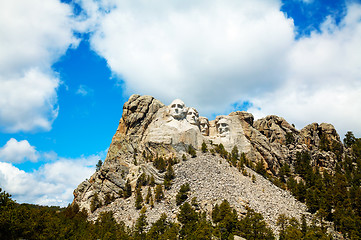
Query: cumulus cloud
33,35
324,79
213,54
28,102
17,152
209,53
51,184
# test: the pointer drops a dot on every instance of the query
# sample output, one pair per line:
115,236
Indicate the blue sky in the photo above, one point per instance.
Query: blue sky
67,67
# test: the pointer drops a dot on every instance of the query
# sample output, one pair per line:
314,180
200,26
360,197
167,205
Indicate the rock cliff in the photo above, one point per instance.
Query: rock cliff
149,129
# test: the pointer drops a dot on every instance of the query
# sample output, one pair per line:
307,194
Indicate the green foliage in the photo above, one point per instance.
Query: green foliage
138,198
302,166
152,181
184,157
182,195
192,151
333,197
140,225
169,176
290,228
193,226
285,171
127,192
234,156
253,178
159,164
142,180
99,164
324,143
260,168
149,195
95,203
5,199
108,199
163,229
187,214
159,195
221,151
349,139
204,147
289,138
25,221
34,222
252,226
243,161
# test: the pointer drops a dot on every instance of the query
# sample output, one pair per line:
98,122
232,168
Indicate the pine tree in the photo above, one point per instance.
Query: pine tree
349,139
261,169
127,190
152,181
99,164
192,151
159,164
138,198
149,195
140,225
95,203
159,195
234,156
151,202
182,195
168,177
204,147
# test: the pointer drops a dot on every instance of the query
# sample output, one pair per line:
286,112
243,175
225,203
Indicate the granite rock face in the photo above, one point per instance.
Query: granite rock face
148,129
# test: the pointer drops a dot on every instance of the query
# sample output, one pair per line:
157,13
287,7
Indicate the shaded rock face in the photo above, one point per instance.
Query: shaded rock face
148,128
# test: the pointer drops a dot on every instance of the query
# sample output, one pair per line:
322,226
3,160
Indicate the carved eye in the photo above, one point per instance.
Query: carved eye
174,105
180,106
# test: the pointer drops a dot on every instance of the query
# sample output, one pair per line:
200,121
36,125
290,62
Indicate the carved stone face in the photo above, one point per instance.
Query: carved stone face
204,126
222,127
178,109
192,116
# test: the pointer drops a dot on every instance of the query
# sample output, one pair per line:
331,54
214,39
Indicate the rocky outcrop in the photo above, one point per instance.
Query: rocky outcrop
138,113
211,180
149,129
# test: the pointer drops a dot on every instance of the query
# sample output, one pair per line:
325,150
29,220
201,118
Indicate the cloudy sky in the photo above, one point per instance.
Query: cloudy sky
67,67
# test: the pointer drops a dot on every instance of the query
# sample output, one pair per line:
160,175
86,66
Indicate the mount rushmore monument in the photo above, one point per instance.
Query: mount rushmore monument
149,129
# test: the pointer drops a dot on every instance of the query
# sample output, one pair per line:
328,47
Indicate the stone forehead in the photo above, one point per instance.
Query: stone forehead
203,120
192,109
222,120
177,101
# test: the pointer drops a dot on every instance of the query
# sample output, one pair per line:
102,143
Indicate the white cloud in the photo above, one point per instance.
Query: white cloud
51,184
324,79
209,53
28,102
33,35
214,53
17,152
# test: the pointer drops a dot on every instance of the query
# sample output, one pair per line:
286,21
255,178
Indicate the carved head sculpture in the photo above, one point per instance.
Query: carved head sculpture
204,126
192,116
178,109
222,127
